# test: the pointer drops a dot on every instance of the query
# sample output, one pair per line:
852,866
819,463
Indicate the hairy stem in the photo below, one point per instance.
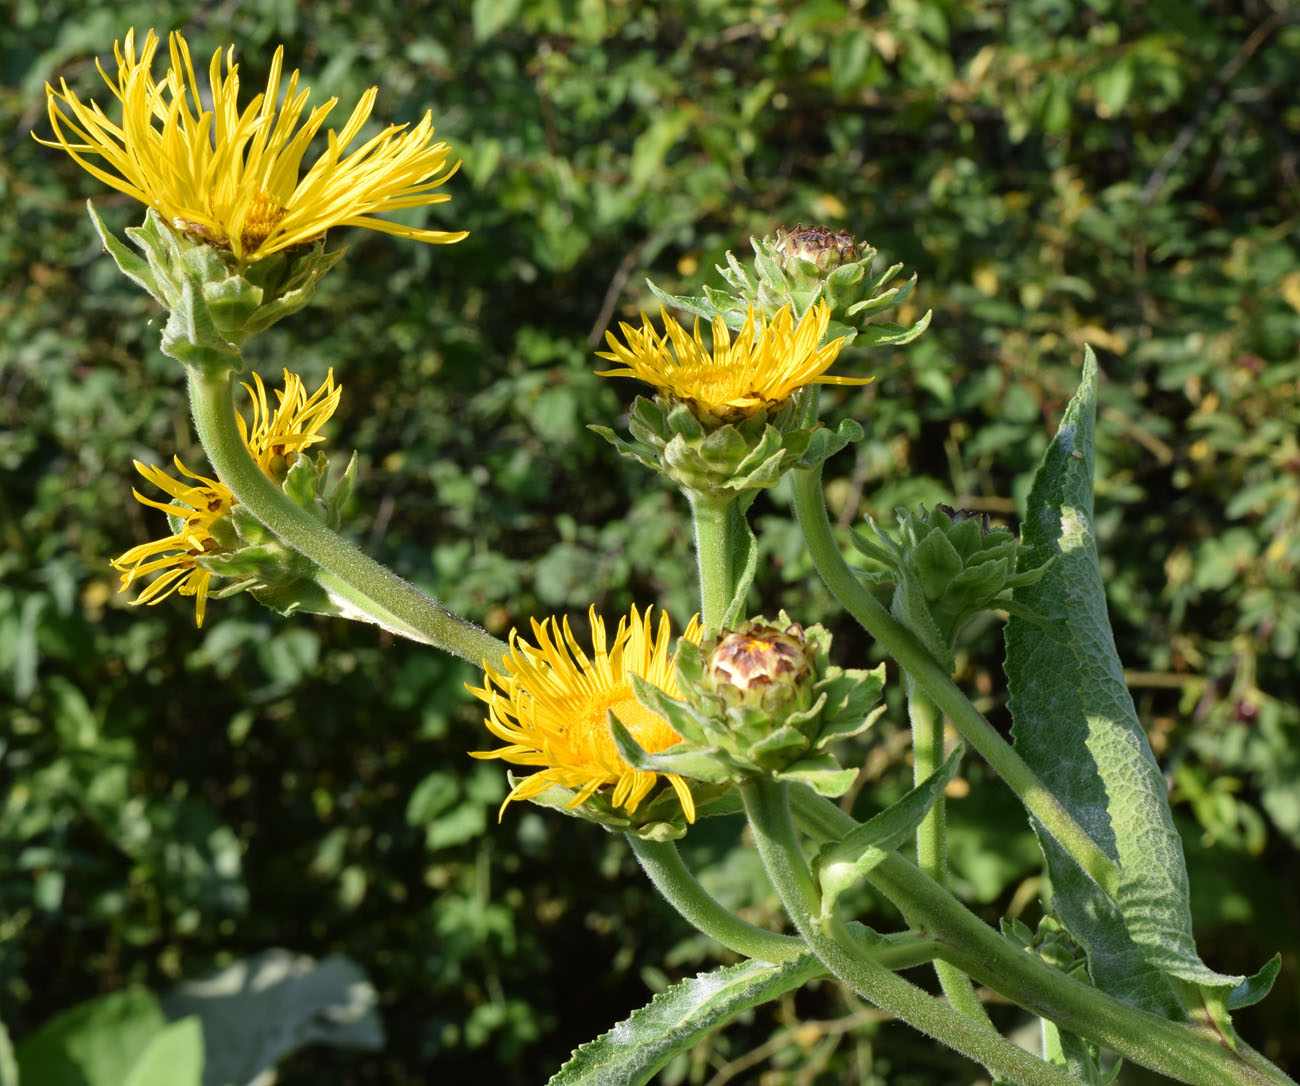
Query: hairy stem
376,593
934,681
769,816
717,520
932,834
1185,1052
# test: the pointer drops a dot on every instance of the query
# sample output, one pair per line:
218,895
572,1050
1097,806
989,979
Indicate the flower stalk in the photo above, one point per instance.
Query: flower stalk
1191,1054
719,525
768,810
934,681
373,591
932,834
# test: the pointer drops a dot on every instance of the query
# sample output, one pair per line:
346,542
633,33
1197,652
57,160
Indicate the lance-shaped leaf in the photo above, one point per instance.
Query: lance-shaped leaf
633,1051
1076,726
843,863
683,760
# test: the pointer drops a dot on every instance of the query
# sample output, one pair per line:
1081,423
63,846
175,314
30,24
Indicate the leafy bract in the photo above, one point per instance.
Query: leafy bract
1076,726
842,864
636,1048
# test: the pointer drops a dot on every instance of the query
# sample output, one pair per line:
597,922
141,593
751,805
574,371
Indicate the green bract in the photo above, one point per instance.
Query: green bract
730,735
800,267
659,818
947,566
258,563
215,301
726,459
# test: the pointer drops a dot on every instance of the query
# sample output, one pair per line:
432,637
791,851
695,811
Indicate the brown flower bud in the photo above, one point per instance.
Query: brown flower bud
818,245
761,665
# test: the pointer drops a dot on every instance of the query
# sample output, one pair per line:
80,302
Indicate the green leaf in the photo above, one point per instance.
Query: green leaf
744,557
1251,990
173,1057
680,759
634,1050
132,266
8,1065
96,1043
842,864
256,1011
1076,726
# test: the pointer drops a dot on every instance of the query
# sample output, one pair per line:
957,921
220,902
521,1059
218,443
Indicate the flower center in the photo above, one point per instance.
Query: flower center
264,215
591,735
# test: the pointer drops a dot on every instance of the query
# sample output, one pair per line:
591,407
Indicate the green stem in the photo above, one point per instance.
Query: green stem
375,592
935,682
932,835
769,816
664,866
716,522
1188,1053
927,757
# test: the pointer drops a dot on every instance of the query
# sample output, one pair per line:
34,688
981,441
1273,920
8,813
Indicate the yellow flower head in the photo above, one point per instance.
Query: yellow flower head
195,508
235,178
274,441
768,362
278,436
552,705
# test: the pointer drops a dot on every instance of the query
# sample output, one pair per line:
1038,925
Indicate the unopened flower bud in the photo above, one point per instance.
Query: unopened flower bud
818,245
763,666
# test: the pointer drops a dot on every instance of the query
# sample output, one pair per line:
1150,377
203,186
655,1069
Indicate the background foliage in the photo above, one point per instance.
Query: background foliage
1119,174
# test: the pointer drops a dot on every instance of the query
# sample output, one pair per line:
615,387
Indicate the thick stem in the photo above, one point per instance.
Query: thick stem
934,681
716,522
932,834
1187,1053
769,816
664,866
376,593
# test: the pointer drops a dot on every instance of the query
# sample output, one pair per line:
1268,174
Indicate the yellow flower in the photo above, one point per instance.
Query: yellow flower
234,178
194,510
768,362
274,441
551,706
277,437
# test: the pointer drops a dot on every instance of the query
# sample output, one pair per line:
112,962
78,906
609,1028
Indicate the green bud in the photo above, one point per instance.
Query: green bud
946,566
762,700
800,267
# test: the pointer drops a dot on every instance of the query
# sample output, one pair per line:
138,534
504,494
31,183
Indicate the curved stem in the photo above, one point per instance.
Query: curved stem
1188,1053
769,816
715,524
375,592
935,682
664,866
932,834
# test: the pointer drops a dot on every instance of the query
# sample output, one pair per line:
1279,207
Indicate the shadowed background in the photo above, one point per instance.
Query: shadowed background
1056,174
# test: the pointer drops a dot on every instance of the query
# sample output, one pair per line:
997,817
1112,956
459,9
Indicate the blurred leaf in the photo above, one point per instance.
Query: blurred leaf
97,1043
256,1011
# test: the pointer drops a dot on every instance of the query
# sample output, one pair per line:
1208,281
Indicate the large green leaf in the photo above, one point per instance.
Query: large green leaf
97,1043
258,1010
8,1065
1076,726
173,1057
631,1052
